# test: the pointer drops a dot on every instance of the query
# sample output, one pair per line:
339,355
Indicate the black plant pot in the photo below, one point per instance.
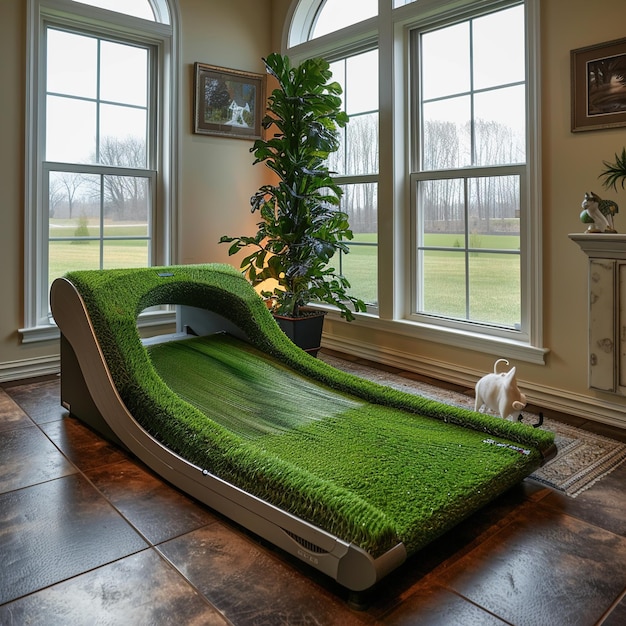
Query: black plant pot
305,331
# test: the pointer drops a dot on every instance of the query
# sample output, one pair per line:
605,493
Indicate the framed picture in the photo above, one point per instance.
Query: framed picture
227,102
599,86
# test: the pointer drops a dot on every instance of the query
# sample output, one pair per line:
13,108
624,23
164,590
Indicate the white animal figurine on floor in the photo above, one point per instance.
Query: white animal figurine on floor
499,392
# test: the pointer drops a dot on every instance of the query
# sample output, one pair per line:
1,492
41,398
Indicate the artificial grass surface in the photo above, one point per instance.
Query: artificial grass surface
418,472
348,460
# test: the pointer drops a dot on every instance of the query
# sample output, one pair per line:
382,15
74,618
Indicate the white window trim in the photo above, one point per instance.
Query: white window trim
391,31
164,38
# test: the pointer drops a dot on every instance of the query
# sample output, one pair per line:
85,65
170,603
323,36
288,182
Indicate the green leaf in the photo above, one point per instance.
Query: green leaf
615,172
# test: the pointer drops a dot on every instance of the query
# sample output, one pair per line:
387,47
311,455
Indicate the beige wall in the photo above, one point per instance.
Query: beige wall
12,97
217,180
217,174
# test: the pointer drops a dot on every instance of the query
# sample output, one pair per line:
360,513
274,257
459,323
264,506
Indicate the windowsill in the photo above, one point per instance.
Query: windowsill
478,342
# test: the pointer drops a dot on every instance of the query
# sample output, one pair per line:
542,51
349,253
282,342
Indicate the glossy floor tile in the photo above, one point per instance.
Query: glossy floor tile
28,457
155,509
138,589
542,568
11,415
88,535
55,530
217,560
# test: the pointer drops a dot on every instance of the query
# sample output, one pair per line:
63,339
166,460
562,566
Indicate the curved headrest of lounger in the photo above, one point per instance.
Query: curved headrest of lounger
119,296
113,300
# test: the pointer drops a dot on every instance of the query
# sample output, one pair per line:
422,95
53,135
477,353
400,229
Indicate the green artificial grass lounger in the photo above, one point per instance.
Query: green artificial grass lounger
338,470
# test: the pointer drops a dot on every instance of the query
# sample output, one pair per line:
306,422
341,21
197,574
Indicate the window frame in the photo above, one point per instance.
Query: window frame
391,30
162,39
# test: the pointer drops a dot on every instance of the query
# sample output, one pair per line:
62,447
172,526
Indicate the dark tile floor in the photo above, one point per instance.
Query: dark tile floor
89,536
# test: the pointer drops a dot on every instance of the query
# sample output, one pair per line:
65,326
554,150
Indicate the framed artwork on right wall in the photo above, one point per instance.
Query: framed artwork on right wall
599,86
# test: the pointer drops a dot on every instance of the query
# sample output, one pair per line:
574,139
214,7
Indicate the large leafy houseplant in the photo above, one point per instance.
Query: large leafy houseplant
301,227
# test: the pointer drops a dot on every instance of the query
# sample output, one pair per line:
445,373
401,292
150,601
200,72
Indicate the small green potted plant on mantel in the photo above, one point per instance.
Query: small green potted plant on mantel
614,172
301,227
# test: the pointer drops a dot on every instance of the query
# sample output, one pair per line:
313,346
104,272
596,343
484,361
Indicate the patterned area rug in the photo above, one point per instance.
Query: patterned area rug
583,457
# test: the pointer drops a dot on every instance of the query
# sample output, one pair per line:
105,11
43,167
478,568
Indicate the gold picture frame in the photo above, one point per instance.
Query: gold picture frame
228,103
599,86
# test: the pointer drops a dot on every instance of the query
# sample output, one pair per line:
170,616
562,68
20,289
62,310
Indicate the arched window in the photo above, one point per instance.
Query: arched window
100,190
155,10
438,162
334,15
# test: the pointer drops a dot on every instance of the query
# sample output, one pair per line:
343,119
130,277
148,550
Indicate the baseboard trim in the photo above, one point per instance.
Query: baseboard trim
29,368
577,404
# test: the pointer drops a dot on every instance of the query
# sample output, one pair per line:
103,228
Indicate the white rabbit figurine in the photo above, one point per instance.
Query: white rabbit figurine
499,392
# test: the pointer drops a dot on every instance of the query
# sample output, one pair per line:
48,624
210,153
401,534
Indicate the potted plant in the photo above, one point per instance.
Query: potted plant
614,172
301,227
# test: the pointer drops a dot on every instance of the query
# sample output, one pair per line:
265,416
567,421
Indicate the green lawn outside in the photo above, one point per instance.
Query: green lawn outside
85,255
68,228
65,256
493,242
494,278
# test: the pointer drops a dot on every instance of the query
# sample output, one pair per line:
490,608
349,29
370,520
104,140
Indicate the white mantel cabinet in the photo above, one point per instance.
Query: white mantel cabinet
607,309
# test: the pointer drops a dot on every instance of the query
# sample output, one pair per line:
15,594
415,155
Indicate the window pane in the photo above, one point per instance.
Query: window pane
360,266
72,195
443,286
362,145
126,205
361,86
80,204
494,279
72,62
65,256
441,205
494,212
70,130
447,140
473,109
336,14
123,136
338,68
138,8
461,218
445,62
494,289
124,75
360,202
126,253
358,151
500,126
498,48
